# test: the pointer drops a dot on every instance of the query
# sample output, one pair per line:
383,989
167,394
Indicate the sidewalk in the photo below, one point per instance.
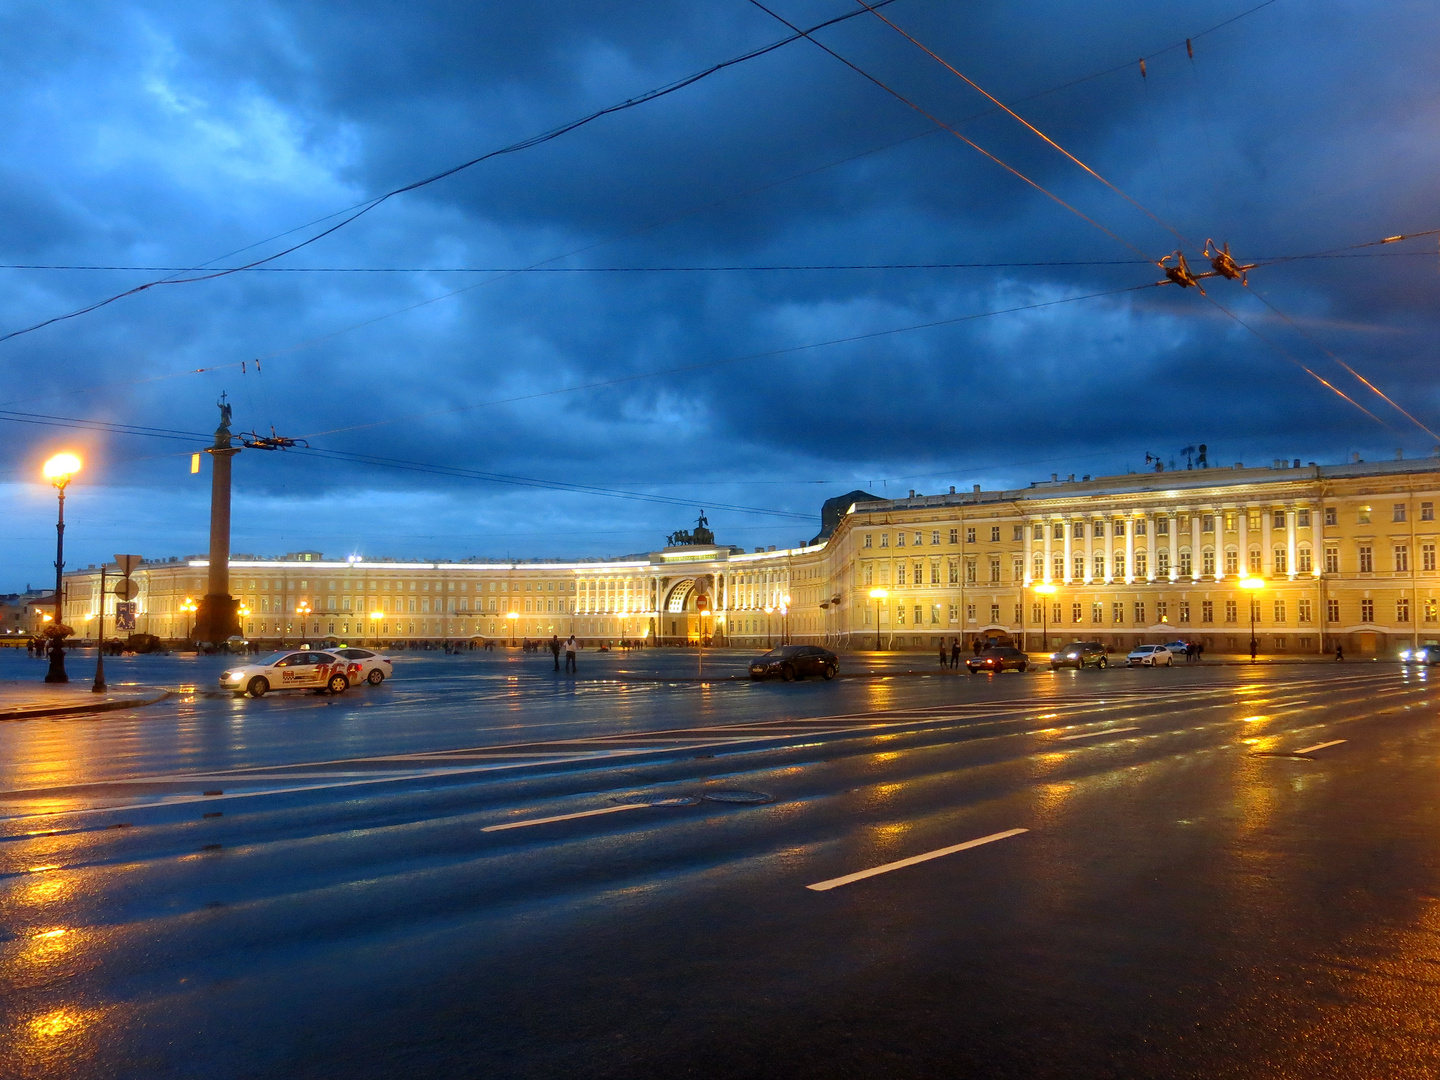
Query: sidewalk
25,700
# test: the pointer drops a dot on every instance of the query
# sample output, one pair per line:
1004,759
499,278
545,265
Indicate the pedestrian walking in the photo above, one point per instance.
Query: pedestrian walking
977,646
944,655
1339,652
571,648
955,653
555,649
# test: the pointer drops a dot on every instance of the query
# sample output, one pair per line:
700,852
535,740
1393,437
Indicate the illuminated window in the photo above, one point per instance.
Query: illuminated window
1302,561
1304,612
1402,609
1363,515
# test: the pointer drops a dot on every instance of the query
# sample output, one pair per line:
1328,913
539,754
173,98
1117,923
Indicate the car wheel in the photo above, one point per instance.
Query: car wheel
1101,663
1022,668
376,677
258,686
338,684
830,671
787,673
754,677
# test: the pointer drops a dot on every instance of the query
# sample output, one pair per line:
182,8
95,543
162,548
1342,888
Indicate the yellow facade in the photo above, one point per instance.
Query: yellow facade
1342,554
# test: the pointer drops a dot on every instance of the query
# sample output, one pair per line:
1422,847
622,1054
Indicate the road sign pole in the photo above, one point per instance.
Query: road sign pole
99,687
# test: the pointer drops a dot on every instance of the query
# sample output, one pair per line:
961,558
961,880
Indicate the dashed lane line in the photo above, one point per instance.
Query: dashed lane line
861,875
565,817
1320,746
1093,734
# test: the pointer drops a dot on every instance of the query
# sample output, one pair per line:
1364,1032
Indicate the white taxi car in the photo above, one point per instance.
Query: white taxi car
300,669
1150,656
374,668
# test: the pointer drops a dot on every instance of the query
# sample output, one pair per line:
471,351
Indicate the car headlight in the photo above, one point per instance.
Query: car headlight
1404,654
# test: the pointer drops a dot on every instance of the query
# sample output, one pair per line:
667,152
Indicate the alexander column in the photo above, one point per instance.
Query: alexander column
216,618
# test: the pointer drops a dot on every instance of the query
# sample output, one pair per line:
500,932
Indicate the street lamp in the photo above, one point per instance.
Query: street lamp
512,616
1044,588
785,612
878,595
303,609
58,470
769,641
1251,584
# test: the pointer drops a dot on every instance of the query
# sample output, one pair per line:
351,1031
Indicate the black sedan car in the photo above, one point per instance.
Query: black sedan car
792,662
1079,654
997,659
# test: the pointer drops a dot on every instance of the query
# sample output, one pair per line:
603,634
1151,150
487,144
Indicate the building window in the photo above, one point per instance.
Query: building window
1039,532
900,574
995,613
1252,520
994,571
1079,561
1162,563
1255,563
1232,520
1332,560
934,573
1207,523
1402,558
1139,612
994,534
970,612
970,571
1017,568
919,577
1367,611
954,612
1398,512
1162,527
1137,527
1099,529
1427,556
1302,519
1059,566
1078,532
866,542
1184,564
1232,562
1077,612
869,580
919,539
1254,609
1304,613
1367,561
899,539
1402,609
900,615
1119,529
954,536
1017,533
1097,613
1207,611
1018,618
1302,561
1140,563
1362,516
970,535
1430,612
1037,612
1117,612
1281,561
1280,643
919,616
1119,563
954,572
1279,611
1332,610
935,536
1039,566
1162,611
1058,532
1427,511
1099,567
1278,519
1232,611
1184,611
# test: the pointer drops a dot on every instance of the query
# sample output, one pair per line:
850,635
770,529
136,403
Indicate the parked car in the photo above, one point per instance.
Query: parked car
301,670
1150,656
1425,654
364,664
1078,654
792,662
997,659
1177,648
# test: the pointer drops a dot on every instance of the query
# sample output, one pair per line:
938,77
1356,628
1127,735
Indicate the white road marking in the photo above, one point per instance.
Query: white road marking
1320,746
835,883
1092,734
565,817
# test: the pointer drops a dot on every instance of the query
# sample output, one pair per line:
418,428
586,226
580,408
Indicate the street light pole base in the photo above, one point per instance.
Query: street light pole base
57,674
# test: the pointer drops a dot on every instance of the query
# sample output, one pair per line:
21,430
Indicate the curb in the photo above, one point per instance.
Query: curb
69,710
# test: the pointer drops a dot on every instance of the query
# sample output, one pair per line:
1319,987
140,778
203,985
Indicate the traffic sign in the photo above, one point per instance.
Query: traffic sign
128,563
126,589
702,603
125,616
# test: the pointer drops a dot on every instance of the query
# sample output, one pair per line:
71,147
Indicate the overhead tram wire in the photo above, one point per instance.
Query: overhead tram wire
361,209
1159,220
82,424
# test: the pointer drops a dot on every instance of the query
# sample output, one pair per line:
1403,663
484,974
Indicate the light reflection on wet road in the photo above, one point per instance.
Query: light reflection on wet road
1167,888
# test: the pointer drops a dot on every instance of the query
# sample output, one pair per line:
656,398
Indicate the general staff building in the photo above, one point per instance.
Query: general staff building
1329,555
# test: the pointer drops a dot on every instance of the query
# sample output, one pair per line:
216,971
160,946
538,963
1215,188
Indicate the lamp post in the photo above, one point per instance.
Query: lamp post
99,686
1251,584
1046,589
769,641
512,616
58,470
302,609
878,595
785,614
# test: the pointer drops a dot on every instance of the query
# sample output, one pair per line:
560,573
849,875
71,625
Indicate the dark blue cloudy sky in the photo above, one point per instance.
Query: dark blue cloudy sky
170,135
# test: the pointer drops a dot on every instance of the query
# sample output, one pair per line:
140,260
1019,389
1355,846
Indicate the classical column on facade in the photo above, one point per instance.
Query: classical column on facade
1029,551
1267,557
1144,547
1197,561
1089,526
1290,546
1129,550
1173,524
1242,532
1049,550
1069,575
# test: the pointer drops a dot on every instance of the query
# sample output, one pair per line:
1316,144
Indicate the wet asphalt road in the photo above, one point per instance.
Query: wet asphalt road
1188,897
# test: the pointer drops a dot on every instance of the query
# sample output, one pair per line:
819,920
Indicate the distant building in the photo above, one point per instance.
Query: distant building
23,615
1345,555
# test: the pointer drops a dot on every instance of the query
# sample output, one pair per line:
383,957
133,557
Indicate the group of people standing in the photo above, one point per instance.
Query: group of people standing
570,648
